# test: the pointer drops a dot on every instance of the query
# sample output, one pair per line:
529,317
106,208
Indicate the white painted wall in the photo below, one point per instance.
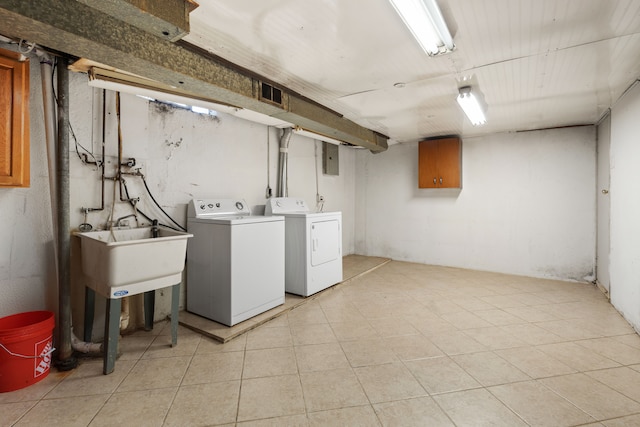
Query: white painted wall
184,155
624,266
527,206
27,267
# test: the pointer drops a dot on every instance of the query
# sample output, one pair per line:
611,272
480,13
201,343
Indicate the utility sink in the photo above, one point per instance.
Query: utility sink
123,262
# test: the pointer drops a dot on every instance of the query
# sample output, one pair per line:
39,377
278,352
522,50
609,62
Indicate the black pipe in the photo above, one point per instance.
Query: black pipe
154,228
147,217
120,164
86,226
103,143
102,161
64,355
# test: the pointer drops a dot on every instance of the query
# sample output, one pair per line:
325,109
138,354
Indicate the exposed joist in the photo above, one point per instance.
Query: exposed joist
167,19
75,28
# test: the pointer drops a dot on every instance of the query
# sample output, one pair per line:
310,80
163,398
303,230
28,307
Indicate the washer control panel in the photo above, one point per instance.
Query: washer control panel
280,205
206,208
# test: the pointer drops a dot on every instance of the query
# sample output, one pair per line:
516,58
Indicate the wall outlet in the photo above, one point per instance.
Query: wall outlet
319,198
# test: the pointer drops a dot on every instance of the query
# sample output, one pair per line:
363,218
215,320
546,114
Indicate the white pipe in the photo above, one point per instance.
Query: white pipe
124,314
283,161
46,70
84,347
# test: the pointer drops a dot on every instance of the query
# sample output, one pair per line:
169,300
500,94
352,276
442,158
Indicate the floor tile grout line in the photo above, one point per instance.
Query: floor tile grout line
363,390
548,388
115,389
244,359
617,418
304,398
68,377
596,418
608,386
298,373
173,399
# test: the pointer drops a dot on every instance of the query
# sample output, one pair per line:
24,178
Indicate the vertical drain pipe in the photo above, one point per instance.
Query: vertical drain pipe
65,352
283,160
46,69
46,75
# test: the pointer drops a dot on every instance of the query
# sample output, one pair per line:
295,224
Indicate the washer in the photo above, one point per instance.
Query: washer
313,246
235,261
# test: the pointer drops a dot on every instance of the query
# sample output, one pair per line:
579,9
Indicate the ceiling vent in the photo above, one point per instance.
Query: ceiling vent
270,94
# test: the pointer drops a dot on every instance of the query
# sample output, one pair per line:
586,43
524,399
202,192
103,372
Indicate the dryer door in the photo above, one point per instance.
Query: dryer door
326,241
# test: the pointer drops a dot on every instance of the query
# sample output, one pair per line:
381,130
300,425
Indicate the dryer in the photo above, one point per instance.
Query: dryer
313,245
235,261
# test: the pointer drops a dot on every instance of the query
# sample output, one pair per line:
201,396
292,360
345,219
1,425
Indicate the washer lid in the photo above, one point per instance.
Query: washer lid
213,208
236,219
282,205
312,215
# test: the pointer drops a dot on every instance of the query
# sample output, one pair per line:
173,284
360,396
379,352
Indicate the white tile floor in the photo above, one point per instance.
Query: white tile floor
405,345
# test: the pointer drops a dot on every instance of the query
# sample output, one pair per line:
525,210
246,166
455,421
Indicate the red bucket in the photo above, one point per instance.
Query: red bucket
26,344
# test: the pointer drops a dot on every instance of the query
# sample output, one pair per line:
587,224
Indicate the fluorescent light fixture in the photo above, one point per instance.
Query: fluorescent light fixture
425,21
303,132
151,89
471,106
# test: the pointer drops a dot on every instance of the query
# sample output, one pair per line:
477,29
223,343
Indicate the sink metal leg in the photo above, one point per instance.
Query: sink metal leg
149,309
111,334
89,310
175,296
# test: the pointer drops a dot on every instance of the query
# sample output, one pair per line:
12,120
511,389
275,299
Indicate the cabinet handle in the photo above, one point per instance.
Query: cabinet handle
434,181
440,180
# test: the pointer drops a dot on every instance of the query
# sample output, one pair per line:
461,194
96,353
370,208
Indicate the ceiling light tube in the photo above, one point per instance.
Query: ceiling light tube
425,21
471,106
303,132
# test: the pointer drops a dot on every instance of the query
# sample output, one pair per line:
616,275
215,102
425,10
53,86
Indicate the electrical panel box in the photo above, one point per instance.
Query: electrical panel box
330,159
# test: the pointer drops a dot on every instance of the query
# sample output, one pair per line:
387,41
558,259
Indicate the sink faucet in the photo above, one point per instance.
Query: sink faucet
117,224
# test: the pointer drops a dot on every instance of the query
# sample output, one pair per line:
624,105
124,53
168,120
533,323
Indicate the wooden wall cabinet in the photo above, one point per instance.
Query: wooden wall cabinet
14,120
440,163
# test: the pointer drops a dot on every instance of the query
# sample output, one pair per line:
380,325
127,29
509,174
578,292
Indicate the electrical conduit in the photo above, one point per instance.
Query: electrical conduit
283,161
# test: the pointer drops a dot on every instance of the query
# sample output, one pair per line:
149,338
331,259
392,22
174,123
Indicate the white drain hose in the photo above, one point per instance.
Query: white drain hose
84,347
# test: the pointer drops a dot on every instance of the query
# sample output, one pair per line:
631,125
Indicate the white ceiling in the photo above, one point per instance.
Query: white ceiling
538,63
